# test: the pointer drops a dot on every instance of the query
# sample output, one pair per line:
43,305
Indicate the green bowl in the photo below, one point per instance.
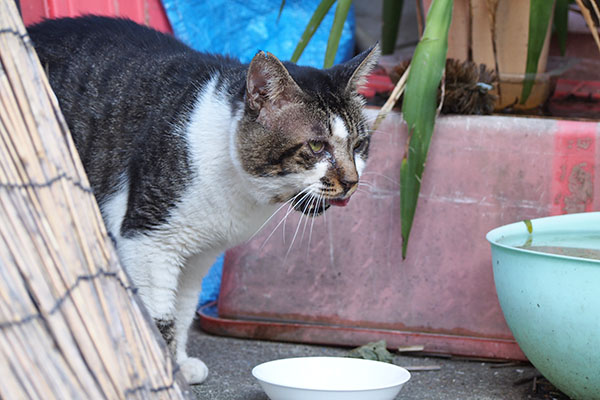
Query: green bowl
551,302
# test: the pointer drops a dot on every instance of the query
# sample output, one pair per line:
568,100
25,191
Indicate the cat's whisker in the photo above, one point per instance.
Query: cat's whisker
312,222
369,119
366,184
314,205
395,181
367,188
302,215
289,211
273,231
359,191
306,221
306,191
331,246
311,203
271,217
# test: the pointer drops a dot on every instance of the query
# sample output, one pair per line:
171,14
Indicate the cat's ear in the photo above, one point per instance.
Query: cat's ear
359,67
269,82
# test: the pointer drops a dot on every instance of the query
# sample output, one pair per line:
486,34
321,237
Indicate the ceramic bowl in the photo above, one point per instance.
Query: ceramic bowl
551,302
330,378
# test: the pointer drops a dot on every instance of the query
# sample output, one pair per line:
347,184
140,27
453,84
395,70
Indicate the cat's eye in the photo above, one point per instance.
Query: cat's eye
316,146
360,145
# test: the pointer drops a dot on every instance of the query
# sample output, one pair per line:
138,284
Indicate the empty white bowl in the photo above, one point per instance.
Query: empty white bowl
330,378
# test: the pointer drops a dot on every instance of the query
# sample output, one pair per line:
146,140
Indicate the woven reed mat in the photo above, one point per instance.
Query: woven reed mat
71,326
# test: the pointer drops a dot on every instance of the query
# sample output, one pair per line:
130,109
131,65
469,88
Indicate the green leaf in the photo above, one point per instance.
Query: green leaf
419,108
539,18
280,9
311,27
376,351
392,11
561,24
529,226
341,12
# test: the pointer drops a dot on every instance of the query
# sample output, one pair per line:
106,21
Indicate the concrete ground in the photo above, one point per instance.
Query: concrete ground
231,360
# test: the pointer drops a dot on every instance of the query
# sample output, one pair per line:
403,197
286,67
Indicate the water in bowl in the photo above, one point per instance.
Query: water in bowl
565,251
572,244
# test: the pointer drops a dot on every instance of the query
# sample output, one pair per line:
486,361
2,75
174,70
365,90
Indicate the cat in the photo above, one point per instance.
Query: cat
188,154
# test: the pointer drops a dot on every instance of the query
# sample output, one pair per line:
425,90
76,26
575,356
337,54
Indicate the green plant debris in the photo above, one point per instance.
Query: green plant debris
376,351
529,226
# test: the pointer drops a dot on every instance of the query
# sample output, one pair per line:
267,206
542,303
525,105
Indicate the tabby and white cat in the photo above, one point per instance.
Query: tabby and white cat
189,154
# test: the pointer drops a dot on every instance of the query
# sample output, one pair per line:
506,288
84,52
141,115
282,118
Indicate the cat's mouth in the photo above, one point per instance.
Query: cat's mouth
314,206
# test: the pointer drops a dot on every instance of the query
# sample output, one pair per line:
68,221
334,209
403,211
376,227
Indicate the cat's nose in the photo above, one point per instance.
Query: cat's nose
348,185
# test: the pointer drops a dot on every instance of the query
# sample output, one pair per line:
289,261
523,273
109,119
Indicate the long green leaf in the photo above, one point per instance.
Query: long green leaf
420,107
540,12
392,11
281,6
561,24
341,12
311,27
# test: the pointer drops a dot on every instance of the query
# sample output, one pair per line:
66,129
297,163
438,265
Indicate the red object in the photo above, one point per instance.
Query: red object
575,99
378,82
574,161
582,89
330,334
147,12
350,285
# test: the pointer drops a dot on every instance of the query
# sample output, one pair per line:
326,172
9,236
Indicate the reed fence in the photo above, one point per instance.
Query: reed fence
71,326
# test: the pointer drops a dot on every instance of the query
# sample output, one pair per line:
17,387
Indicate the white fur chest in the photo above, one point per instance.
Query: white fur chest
217,210
209,219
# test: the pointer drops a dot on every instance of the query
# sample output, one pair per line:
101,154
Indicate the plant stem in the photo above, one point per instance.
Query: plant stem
588,19
391,101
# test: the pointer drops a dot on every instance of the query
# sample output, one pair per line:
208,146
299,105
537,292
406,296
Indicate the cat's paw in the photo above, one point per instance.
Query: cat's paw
194,370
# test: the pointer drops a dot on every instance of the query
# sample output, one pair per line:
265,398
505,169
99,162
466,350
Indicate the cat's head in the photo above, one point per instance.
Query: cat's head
303,136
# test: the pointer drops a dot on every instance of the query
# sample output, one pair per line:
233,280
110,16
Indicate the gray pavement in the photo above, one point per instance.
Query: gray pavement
231,360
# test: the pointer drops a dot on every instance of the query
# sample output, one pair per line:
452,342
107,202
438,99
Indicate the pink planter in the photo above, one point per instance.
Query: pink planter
148,12
352,286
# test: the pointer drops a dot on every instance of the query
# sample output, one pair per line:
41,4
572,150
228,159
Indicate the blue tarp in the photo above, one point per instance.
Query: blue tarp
240,28
212,282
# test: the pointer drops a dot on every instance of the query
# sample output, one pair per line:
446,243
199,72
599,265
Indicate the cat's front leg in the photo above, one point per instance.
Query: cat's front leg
154,270
188,290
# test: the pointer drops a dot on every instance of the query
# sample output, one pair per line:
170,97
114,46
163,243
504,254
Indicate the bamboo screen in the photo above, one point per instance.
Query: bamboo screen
70,324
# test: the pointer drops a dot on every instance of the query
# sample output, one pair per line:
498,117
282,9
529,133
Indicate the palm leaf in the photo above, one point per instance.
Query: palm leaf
311,27
281,6
561,24
539,17
341,12
392,11
419,108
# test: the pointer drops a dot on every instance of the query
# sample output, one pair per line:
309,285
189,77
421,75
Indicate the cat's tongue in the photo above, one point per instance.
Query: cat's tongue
339,203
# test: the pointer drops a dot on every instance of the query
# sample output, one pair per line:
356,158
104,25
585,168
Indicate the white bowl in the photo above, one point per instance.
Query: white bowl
330,378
